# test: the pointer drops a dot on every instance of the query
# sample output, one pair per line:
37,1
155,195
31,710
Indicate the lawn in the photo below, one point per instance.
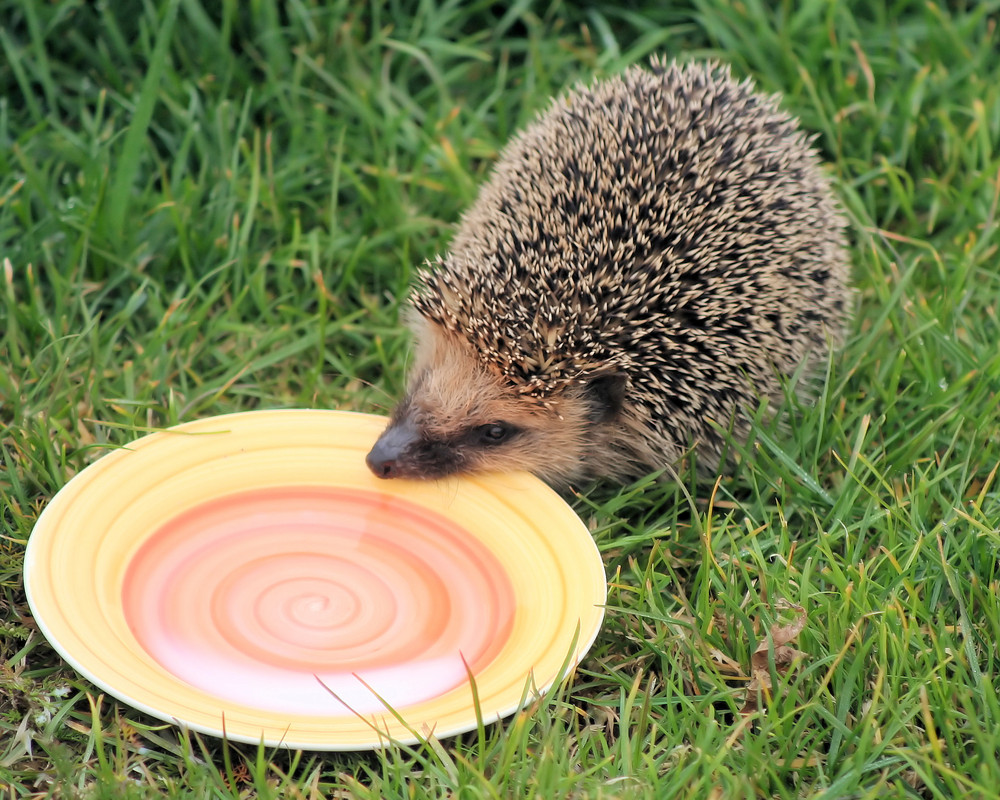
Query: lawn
211,207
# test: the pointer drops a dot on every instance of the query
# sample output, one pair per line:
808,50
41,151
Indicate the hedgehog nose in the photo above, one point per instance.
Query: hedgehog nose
383,468
383,459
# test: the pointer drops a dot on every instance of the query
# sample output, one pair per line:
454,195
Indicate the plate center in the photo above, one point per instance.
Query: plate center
305,600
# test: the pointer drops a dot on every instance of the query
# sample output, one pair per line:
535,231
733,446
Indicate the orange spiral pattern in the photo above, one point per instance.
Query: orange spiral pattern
253,596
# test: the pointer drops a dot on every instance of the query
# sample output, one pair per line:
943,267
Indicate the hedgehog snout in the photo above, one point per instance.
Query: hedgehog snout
383,459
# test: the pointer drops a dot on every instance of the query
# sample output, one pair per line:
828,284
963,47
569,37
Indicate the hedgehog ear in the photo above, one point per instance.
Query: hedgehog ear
607,395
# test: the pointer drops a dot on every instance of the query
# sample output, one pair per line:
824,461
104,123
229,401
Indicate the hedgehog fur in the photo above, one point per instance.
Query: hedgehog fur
649,260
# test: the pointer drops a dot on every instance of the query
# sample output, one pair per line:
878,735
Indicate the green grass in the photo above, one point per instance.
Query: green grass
209,207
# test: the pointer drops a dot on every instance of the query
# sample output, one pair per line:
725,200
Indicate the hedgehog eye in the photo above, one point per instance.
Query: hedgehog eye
493,433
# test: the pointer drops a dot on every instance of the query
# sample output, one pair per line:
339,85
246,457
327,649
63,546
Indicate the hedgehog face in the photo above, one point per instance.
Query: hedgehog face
460,417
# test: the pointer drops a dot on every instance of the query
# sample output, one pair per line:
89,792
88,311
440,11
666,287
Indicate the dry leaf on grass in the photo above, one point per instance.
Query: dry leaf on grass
784,656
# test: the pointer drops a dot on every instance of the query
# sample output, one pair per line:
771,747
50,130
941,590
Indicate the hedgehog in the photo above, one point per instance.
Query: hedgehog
650,259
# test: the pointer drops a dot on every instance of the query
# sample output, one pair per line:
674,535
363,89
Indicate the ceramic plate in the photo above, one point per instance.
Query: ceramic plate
247,576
